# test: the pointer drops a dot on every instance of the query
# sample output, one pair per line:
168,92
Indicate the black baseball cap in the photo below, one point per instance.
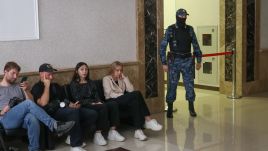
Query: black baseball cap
46,68
181,13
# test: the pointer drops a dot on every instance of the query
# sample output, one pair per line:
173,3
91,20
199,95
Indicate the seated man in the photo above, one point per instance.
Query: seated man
25,114
51,97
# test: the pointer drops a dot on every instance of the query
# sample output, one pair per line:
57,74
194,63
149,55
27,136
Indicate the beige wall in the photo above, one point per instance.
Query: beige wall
201,13
169,13
94,31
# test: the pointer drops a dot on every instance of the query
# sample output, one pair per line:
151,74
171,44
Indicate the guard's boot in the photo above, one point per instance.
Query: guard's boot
191,109
170,110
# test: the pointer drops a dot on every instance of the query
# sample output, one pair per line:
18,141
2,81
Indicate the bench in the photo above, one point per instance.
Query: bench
47,139
99,86
5,133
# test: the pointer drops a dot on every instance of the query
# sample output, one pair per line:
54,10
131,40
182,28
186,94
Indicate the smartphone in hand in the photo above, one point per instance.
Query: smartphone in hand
23,79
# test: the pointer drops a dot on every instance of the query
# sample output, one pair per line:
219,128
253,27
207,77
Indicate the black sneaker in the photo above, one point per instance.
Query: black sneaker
64,127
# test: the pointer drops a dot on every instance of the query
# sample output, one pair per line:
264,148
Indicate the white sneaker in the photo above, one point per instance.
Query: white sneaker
68,141
153,125
140,135
99,140
77,149
113,135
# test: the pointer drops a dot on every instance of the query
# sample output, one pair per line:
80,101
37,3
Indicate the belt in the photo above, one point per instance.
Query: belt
181,55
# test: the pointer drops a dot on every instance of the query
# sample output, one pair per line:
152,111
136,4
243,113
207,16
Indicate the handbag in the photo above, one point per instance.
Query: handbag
52,106
14,101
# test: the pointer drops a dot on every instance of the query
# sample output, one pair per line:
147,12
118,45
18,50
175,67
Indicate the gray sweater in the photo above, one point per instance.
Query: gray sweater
8,92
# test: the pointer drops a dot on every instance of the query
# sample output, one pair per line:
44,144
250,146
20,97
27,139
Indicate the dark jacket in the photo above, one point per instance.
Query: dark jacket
85,93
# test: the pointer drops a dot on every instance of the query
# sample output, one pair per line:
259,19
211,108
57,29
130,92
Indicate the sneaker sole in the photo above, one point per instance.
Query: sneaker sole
100,144
141,139
83,145
116,140
154,129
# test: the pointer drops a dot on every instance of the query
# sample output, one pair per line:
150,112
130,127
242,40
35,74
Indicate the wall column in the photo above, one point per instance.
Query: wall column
149,34
238,30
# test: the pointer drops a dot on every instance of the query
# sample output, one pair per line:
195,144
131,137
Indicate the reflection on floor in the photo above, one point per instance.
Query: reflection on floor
221,125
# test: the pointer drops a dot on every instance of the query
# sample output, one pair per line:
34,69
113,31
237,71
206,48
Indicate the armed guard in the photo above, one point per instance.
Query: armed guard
179,59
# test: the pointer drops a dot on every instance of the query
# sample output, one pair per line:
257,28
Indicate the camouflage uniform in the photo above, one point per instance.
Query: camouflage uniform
181,61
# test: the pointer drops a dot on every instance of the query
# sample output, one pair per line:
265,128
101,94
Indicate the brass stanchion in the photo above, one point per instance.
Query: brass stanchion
233,94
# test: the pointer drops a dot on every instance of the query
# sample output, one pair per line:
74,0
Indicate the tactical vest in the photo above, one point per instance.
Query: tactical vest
180,40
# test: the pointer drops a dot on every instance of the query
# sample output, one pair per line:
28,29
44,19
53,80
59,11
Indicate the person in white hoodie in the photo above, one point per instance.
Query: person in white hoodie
118,88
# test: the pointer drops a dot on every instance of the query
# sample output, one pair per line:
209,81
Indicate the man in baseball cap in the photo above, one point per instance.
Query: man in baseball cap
49,95
46,68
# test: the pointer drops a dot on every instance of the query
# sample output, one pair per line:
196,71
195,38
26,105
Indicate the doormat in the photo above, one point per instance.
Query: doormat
118,149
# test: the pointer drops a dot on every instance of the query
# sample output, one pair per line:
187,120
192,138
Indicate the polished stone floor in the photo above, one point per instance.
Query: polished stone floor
221,125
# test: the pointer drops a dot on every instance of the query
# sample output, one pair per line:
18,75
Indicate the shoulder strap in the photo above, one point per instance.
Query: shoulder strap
173,29
173,26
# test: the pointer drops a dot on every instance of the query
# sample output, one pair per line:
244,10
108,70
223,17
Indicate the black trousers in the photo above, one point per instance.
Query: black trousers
108,115
132,104
80,116
88,117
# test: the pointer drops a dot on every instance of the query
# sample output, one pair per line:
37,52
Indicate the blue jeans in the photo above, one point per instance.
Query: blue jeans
27,115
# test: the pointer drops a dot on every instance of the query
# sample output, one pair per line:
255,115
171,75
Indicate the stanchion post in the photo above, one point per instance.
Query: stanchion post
233,95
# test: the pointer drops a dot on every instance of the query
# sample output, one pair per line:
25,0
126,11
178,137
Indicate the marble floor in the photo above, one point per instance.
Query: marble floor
221,125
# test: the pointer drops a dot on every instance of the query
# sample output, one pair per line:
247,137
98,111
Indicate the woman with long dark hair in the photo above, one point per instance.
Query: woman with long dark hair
84,92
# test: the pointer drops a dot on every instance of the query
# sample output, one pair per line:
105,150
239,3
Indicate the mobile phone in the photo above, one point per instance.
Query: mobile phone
23,79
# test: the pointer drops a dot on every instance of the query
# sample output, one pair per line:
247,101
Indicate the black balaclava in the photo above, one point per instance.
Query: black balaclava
181,16
181,22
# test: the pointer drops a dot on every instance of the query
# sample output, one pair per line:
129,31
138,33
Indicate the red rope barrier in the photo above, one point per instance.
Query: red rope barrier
218,54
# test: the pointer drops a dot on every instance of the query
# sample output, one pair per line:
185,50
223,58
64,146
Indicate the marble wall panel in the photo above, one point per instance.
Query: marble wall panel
250,40
230,35
150,23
